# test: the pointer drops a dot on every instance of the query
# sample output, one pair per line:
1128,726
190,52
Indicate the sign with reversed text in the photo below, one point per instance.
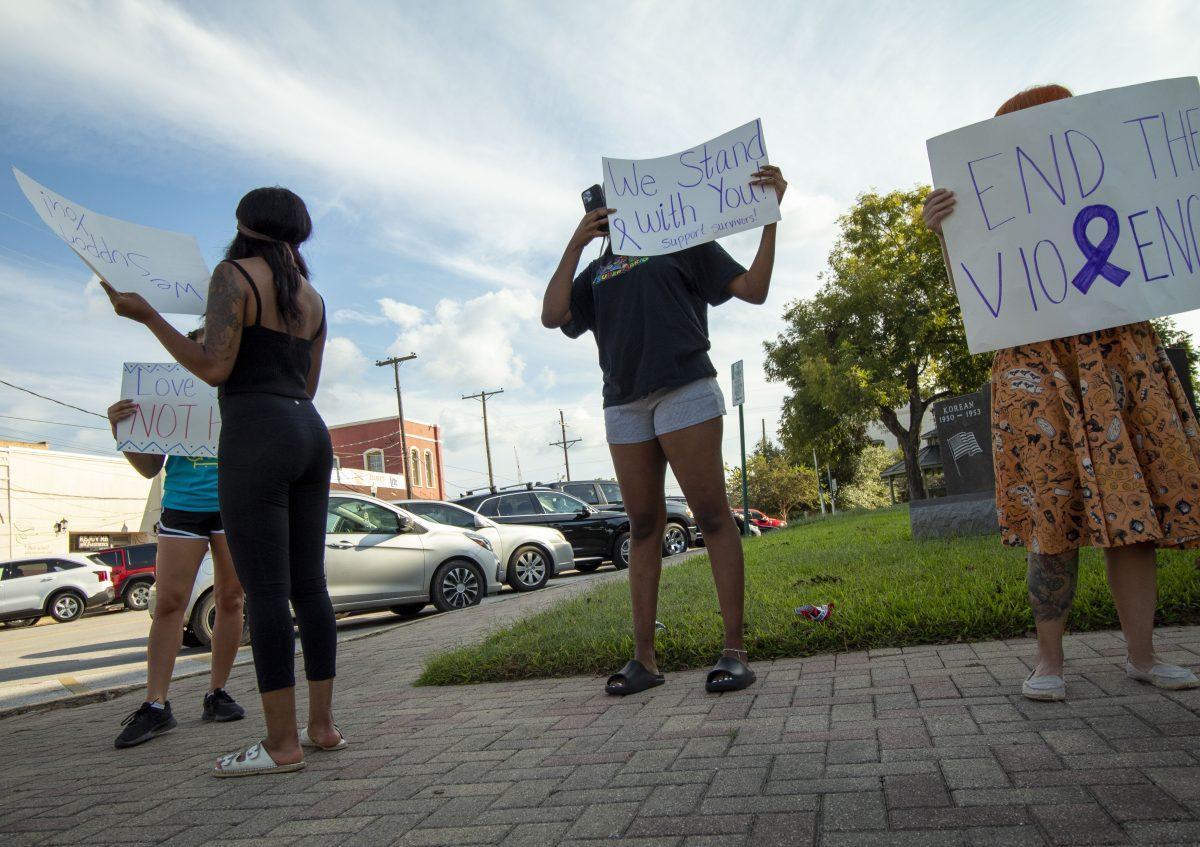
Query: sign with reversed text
1074,216
739,382
177,412
702,194
164,267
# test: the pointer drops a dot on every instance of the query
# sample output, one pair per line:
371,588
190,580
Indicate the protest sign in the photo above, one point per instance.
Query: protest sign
1074,216
702,194
164,267
177,412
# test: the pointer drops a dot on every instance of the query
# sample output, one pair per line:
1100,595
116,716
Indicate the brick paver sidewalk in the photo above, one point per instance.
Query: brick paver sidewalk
925,746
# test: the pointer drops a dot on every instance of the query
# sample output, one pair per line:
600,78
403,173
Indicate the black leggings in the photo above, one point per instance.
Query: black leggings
275,462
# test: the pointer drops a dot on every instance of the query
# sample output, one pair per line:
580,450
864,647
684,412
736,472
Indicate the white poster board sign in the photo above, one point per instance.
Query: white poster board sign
177,413
702,194
1074,216
739,382
164,267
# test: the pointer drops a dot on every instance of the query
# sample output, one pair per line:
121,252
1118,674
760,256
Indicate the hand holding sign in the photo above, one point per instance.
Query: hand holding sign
166,410
128,305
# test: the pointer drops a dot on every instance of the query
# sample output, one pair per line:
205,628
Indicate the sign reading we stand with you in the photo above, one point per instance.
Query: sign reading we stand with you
1074,216
164,267
177,413
704,193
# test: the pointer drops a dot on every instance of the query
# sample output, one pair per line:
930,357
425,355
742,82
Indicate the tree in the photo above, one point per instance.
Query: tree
867,489
777,486
1172,336
884,332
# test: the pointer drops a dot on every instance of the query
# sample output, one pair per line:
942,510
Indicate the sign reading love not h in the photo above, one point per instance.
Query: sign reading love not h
702,194
176,415
164,267
1075,216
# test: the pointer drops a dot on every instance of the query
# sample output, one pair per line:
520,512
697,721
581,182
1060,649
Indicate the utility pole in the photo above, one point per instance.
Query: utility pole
832,490
565,444
517,456
817,470
764,441
395,363
482,397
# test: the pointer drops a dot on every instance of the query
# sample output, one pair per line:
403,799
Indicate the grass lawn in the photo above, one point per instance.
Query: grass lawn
889,591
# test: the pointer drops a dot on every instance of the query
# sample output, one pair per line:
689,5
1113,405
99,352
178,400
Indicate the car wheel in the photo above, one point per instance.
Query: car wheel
529,568
19,623
408,610
587,567
621,547
66,606
137,596
204,616
675,540
457,585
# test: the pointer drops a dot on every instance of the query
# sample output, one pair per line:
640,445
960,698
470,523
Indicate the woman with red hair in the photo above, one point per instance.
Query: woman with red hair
1095,444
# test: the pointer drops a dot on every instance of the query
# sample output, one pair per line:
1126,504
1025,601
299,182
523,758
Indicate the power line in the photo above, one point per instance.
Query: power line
564,443
54,423
482,397
52,400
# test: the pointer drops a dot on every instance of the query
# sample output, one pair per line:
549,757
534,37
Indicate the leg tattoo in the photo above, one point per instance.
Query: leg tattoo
1052,581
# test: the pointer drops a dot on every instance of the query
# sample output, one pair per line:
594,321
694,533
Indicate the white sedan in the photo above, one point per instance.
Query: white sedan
530,554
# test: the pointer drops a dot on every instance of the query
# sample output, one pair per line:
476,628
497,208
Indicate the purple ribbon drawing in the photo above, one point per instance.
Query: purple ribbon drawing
619,225
1097,263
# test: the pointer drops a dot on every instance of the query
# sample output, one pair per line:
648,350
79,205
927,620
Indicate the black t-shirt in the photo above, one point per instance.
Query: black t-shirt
650,317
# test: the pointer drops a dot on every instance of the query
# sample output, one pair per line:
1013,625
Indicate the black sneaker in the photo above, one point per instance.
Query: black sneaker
146,723
220,707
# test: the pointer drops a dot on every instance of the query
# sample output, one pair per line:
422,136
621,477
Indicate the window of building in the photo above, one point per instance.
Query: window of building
430,476
373,460
414,465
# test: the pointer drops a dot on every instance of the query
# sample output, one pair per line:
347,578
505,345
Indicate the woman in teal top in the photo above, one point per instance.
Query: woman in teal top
189,527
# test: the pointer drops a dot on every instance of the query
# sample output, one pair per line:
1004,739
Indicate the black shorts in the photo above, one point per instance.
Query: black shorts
176,523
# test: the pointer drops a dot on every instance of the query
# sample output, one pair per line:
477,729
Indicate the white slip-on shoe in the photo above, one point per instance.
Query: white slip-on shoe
252,761
1048,688
1170,677
307,741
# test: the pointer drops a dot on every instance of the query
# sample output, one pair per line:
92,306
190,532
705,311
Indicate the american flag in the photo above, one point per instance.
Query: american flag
963,444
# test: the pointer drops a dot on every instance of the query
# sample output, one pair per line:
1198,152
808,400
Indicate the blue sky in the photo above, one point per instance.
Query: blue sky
442,148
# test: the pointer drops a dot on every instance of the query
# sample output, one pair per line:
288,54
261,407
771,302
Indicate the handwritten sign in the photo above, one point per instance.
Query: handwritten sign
702,194
164,267
1074,216
177,412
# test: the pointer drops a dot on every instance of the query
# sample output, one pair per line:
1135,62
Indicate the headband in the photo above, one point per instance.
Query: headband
258,236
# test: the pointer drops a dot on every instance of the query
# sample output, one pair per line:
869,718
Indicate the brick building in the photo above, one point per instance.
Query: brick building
374,445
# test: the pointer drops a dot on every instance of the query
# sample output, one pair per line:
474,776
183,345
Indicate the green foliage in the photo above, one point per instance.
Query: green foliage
1172,336
866,489
777,486
883,332
889,591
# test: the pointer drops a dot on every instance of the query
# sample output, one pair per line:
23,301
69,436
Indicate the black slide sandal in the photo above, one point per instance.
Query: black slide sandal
739,676
635,679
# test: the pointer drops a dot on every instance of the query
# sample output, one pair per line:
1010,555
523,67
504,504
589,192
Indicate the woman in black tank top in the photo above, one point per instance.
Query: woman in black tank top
276,460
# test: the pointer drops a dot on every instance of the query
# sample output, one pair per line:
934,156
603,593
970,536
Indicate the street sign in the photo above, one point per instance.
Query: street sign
739,384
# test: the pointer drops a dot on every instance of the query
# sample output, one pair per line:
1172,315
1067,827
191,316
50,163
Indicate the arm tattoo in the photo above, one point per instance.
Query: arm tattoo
1052,581
223,315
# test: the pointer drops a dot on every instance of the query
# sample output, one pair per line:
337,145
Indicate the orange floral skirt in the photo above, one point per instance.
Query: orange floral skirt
1095,444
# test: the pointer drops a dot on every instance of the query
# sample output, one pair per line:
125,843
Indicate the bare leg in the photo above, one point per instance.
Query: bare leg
320,713
1132,578
695,457
227,630
641,469
283,739
1052,580
175,573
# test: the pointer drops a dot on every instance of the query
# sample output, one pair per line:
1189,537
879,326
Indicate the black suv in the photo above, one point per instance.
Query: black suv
595,536
681,532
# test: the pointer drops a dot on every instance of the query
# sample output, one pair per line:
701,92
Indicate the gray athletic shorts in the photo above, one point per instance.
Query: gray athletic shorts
664,411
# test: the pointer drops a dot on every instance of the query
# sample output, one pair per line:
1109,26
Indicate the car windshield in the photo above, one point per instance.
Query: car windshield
557,503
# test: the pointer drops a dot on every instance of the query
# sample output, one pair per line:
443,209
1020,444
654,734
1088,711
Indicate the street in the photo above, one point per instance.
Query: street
107,649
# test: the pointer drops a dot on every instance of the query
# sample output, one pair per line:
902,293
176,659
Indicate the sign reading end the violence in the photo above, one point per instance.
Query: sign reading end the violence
177,413
1075,216
702,194
164,267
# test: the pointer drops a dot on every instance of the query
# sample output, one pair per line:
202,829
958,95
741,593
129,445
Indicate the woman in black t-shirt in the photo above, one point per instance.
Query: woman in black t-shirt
662,405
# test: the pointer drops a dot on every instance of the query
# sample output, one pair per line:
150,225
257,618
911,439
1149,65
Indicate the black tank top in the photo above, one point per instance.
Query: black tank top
270,361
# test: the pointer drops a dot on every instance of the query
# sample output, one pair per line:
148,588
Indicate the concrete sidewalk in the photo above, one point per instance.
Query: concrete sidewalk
925,746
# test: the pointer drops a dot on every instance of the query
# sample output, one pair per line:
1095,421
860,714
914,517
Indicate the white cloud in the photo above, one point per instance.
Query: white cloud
401,314
354,316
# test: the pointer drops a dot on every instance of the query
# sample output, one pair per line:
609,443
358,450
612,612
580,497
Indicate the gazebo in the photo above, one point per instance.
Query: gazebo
929,459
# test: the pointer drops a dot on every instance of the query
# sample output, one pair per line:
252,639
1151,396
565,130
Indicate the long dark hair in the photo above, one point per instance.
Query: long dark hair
277,222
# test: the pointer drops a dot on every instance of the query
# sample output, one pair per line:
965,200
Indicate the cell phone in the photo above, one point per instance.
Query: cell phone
593,198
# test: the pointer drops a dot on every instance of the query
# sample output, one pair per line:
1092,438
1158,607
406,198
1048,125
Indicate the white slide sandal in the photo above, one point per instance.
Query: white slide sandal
252,761
306,741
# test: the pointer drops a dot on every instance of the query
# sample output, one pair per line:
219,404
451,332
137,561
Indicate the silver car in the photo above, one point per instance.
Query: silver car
379,556
62,586
530,554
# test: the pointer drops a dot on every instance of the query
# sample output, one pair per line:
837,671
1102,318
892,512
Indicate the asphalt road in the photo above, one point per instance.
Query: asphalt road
107,649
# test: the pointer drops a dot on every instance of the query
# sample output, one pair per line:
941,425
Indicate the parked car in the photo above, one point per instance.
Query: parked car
530,554
62,586
595,536
765,522
379,556
740,520
681,531
132,572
